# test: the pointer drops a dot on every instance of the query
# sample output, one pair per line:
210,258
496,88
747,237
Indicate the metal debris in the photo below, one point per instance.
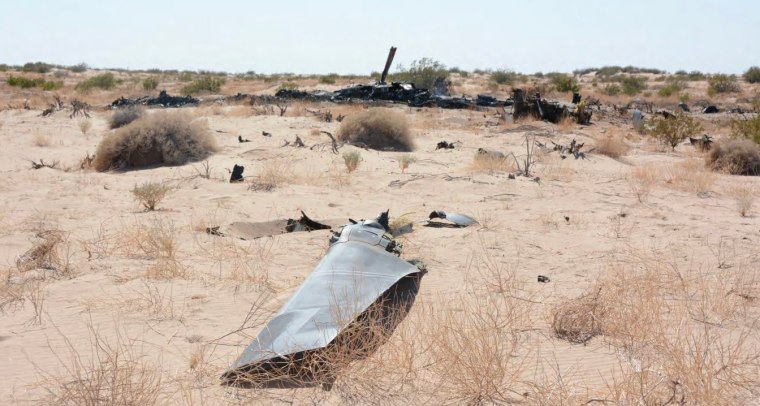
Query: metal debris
536,107
163,100
237,173
444,145
359,285
304,224
460,220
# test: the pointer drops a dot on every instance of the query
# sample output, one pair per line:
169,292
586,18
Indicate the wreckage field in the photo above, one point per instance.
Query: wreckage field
318,243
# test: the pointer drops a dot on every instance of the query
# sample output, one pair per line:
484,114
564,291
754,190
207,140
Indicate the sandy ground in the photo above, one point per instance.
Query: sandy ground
581,217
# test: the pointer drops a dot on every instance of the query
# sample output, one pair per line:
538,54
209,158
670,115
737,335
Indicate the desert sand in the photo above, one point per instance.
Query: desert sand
179,305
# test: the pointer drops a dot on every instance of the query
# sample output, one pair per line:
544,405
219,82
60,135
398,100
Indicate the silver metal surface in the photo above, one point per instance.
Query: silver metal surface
356,271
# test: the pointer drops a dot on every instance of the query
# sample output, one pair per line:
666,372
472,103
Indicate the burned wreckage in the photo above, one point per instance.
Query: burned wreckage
347,307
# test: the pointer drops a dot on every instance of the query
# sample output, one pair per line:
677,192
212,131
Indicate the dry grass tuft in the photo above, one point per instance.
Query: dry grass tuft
112,372
50,252
273,174
736,156
351,160
744,196
579,320
161,138
124,116
689,175
613,146
491,163
154,239
40,140
404,161
641,180
377,128
149,194
85,126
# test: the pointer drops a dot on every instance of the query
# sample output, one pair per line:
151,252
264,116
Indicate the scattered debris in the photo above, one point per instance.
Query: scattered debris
460,220
543,279
703,144
57,105
638,121
444,145
298,143
163,100
491,154
334,144
573,149
42,164
567,219
304,224
536,107
214,231
307,343
710,110
241,139
684,107
237,173
266,134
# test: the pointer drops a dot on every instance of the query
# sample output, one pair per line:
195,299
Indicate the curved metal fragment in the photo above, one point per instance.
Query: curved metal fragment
461,220
352,300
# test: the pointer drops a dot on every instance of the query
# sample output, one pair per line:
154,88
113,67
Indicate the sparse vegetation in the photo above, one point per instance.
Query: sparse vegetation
405,160
377,128
503,77
104,81
351,159
328,79
735,156
613,146
425,73
84,126
161,138
641,180
565,83
633,85
611,89
748,128
673,86
722,83
752,75
150,194
150,83
673,130
27,83
204,84
744,196
37,67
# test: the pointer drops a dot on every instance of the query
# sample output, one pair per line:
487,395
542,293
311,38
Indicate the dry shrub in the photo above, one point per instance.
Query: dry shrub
275,173
735,156
491,163
677,331
642,180
113,372
744,196
162,138
689,175
49,252
40,140
149,194
84,126
154,239
377,128
352,159
405,161
613,146
124,116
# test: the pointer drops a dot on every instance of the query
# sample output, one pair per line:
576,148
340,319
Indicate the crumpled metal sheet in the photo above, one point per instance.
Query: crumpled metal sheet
458,219
357,270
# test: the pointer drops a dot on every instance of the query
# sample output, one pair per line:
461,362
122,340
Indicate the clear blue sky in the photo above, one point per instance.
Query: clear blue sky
354,36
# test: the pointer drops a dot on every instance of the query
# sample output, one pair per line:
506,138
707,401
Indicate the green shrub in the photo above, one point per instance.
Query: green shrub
78,68
752,75
503,77
186,76
205,83
27,83
611,89
565,83
150,83
38,67
105,81
4,67
425,73
722,83
673,86
351,159
633,85
748,128
328,79
673,130
288,86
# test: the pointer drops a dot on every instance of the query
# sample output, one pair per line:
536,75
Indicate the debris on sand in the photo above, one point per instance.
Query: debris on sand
554,112
459,220
444,145
237,173
163,100
307,342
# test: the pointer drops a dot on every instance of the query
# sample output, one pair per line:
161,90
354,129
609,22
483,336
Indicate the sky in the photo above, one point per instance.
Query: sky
345,37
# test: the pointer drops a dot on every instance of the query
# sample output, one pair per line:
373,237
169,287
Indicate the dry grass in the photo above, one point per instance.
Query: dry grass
161,138
690,175
404,161
491,163
154,239
124,116
40,140
377,128
85,126
114,372
612,145
274,173
744,196
642,180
